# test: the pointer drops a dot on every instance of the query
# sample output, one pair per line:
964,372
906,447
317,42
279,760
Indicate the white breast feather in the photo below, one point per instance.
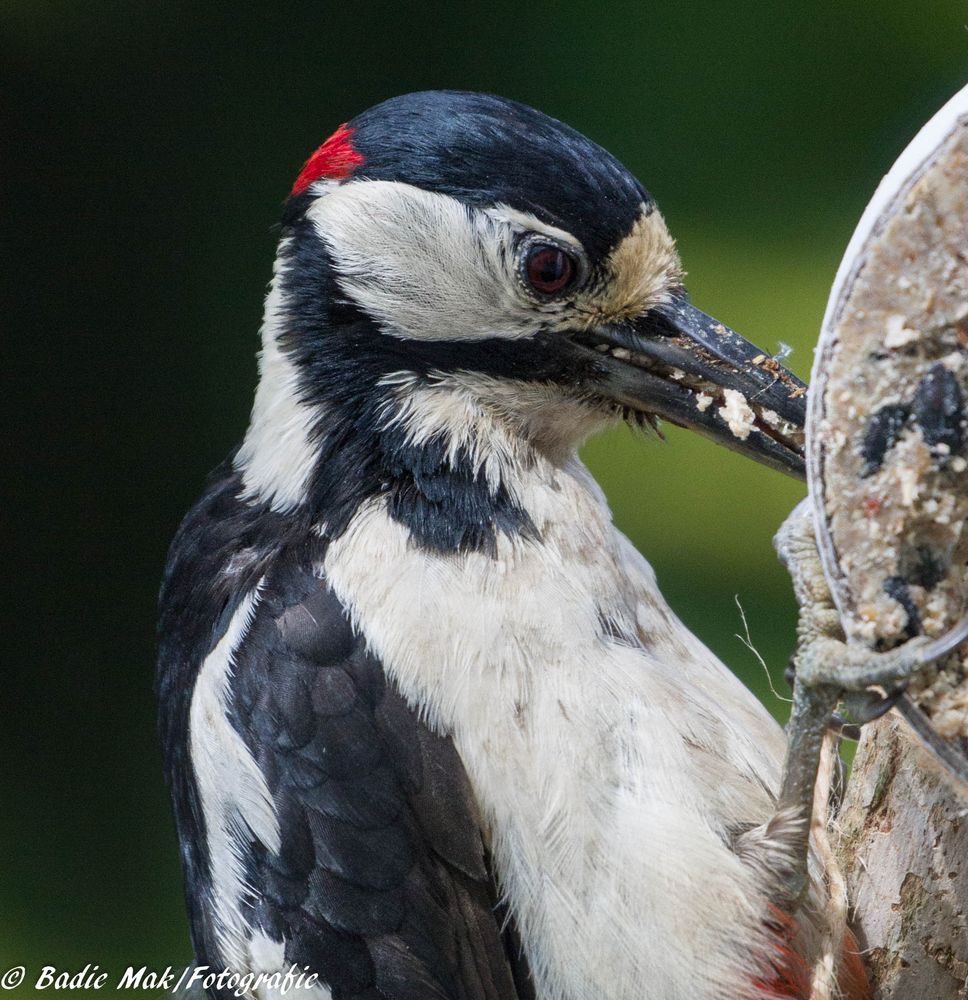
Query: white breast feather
609,773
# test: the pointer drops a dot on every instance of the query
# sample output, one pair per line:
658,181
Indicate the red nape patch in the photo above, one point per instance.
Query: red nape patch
335,160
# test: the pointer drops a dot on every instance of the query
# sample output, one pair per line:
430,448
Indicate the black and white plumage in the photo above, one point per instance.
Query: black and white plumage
429,726
353,836
330,827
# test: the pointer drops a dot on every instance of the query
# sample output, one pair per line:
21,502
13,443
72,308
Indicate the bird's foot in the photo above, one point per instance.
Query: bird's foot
830,673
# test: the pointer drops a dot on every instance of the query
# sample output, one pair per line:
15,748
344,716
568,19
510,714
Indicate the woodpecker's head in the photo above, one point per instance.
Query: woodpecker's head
446,255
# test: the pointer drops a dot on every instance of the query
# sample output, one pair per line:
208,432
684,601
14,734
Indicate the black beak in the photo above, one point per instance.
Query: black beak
679,364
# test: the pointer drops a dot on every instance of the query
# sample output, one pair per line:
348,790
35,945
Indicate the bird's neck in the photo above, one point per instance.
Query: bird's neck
345,412
447,451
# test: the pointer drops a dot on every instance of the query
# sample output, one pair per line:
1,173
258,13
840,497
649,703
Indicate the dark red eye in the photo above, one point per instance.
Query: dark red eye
549,269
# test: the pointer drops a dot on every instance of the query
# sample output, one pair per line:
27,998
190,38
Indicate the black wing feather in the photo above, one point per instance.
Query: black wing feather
382,883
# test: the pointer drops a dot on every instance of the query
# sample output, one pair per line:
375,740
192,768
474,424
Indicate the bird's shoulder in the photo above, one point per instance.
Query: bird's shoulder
378,879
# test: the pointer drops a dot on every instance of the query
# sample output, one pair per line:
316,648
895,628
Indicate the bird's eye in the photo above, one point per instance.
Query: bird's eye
548,269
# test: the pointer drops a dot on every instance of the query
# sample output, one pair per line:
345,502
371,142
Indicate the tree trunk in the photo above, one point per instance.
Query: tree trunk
903,844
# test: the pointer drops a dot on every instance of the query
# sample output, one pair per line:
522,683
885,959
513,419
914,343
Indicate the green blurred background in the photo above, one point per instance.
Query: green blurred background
148,147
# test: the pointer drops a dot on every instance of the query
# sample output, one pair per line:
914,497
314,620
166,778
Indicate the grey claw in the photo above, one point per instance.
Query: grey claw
847,730
866,706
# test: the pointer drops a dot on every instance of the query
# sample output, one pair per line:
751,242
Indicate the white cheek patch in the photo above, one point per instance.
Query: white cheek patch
424,265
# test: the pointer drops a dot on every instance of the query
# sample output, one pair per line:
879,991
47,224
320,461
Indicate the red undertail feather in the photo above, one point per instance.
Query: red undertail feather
789,974
854,984
335,160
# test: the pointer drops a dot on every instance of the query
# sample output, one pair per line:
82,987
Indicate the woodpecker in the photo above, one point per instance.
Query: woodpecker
429,726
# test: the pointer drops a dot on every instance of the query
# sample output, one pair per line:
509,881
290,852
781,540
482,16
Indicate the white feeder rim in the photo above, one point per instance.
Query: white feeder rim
893,188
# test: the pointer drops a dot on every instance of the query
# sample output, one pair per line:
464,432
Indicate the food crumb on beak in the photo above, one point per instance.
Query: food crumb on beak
737,413
703,402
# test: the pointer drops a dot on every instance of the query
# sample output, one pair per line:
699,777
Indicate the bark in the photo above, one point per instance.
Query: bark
903,844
